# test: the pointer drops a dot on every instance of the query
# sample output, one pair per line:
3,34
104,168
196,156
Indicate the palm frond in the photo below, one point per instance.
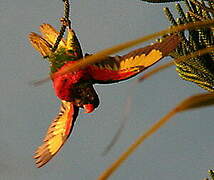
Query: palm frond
199,70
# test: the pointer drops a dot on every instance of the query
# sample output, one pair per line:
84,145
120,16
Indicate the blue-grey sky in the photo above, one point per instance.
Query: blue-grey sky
183,149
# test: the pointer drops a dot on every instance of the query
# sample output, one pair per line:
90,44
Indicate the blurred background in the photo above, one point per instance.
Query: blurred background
183,149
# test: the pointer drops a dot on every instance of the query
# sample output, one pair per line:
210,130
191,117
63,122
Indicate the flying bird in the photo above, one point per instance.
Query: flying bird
75,89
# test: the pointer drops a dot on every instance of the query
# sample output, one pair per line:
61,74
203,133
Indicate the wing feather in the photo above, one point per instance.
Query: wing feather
50,34
40,44
57,133
118,68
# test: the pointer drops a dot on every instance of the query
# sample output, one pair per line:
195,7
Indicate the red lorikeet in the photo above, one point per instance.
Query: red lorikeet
75,89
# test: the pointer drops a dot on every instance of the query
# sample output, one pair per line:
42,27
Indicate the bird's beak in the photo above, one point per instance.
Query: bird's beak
88,108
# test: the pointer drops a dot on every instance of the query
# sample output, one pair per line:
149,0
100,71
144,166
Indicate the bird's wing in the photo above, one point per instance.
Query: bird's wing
118,68
40,44
50,34
44,43
57,133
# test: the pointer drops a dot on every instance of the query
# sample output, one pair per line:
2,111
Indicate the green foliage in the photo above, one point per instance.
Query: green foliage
211,173
199,70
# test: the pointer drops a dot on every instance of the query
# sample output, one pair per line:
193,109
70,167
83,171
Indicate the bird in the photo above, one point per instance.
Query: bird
75,89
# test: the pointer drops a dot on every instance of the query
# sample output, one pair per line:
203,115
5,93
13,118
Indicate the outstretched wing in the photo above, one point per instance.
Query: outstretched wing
114,69
57,133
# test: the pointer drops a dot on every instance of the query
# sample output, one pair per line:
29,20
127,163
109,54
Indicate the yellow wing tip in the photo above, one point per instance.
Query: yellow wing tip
42,156
40,44
33,35
46,27
50,34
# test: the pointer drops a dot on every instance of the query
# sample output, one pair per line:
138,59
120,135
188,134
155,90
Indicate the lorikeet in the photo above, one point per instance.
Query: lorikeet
75,89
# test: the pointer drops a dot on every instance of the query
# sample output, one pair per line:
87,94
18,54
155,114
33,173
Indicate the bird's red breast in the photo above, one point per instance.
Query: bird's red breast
63,84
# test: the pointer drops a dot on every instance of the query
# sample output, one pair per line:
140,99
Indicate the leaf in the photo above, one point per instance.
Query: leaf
156,70
211,173
193,102
122,125
196,101
199,70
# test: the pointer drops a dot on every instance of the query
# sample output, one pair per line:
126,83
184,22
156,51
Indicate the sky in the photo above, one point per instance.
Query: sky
182,149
